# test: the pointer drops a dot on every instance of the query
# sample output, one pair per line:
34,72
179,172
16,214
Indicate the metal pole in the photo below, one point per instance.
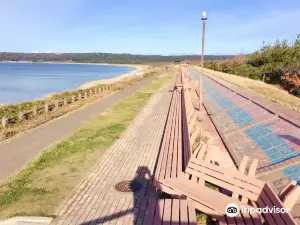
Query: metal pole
202,59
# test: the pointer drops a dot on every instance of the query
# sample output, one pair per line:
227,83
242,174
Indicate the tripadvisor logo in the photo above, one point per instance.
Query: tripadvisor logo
232,210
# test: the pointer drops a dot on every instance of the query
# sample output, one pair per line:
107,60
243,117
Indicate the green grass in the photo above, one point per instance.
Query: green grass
43,184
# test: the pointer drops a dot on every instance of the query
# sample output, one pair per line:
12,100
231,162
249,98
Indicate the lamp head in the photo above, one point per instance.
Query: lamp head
204,16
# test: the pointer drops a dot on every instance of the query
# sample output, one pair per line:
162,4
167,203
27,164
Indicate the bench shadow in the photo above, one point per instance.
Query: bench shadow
291,138
142,180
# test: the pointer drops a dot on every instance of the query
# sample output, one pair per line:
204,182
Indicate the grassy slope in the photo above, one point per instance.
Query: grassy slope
271,92
46,182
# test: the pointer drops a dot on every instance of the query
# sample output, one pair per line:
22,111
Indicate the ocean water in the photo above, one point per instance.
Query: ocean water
29,81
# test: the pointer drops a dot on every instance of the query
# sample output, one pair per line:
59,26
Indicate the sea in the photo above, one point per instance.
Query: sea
30,81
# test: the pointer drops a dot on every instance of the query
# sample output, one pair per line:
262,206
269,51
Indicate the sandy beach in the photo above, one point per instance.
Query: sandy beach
139,70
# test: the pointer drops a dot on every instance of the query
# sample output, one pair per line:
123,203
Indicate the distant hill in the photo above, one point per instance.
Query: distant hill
99,57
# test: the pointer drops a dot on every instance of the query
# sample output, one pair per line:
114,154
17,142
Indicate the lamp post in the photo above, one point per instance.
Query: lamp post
202,58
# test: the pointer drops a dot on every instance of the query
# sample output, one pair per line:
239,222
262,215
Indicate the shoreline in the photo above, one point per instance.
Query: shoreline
138,70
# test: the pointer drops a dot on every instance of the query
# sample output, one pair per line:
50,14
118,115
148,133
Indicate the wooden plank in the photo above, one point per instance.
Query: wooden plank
150,212
291,198
165,143
180,142
251,172
256,218
224,178
191,212
204,195
223,184
233,173
159,212
247,219
253,167
169,157
183,212
185,135
242,169
167,212
231,220
269,203
222,221
201,152
175,153
268,216
168,139
194,135
276,202
175,212
287,189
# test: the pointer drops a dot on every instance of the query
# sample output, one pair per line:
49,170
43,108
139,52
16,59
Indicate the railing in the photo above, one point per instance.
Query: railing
48,107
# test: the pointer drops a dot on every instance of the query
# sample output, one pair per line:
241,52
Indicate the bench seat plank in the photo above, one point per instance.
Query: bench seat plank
212,199
237,175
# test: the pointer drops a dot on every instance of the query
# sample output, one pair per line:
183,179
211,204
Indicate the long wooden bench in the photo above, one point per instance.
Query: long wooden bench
245,189
181,170
179,142
170,157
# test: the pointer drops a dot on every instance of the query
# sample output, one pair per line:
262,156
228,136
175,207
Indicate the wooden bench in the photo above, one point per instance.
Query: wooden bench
213,202
169,162
171,212
179,142
181,170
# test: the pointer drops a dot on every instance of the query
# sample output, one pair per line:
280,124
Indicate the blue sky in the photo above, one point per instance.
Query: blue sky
145,27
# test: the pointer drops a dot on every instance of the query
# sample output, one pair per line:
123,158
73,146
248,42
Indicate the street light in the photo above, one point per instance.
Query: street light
204,18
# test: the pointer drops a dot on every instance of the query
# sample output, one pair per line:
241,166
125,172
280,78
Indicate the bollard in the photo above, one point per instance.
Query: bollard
35,111
91,92
21,116
57,104
73,98
46,108
4,122
65,101
86,95
79,96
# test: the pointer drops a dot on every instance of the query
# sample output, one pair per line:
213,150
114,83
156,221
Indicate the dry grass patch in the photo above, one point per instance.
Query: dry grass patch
271,92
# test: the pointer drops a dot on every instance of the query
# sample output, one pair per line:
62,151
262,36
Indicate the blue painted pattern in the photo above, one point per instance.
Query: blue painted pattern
293,173
225,103
240,117
276,149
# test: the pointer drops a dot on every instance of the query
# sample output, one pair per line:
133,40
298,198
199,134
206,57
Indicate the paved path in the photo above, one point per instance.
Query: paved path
133,156
19,151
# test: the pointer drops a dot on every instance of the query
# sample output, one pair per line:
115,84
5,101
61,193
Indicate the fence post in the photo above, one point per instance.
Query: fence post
35,111
73,98
65,101
57,104
46,108
21,116
86,94
79,96
91,92
4,122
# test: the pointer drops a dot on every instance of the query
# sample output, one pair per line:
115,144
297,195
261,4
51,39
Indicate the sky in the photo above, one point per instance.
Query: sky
164,27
